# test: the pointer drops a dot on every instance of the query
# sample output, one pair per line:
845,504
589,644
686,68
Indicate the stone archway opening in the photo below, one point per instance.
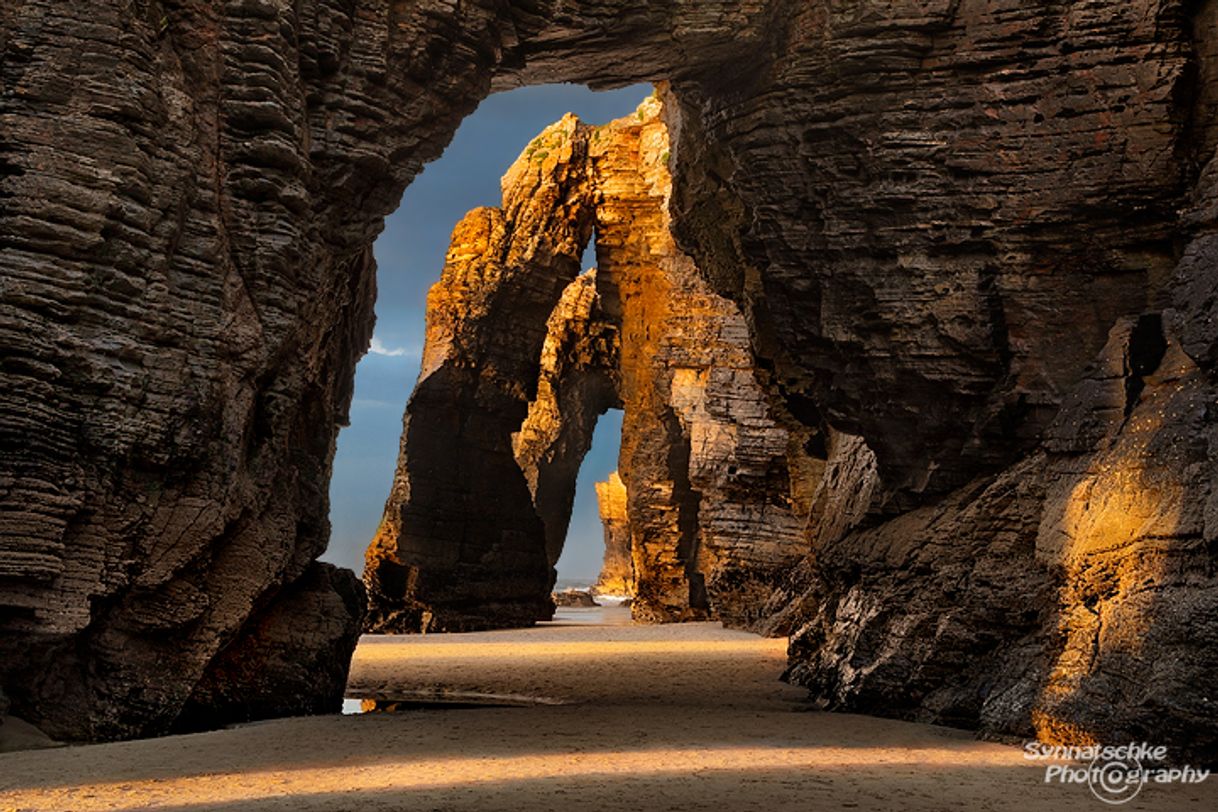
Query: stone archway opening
525,350
410,254
191,531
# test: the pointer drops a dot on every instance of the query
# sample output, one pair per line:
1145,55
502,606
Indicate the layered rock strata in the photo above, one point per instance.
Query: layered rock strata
933,216
932,261
291,658
709,520
1055,596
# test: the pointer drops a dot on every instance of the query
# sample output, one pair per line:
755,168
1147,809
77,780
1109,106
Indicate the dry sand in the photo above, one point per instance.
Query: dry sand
687,717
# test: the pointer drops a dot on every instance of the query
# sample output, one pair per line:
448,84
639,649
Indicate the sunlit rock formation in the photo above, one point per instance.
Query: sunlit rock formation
578,382
710,523
1128,508
617,570
934,217
704,459
457,548
1071,578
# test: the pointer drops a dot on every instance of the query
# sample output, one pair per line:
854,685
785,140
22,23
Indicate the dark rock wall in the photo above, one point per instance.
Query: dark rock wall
964,215
181,313
290,659
963,198
189,193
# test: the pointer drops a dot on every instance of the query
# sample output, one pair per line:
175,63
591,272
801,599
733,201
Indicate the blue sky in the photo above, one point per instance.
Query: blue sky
410,255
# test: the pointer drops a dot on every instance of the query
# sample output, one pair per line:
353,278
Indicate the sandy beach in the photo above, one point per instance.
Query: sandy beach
595,713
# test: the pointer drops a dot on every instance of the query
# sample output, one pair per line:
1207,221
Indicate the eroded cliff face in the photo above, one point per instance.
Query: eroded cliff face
920,236
709,469
708,518
457,548
935,217
578,383
181,313
944,258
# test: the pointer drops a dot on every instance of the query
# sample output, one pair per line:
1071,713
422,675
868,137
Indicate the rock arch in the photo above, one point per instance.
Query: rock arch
711,519
579,381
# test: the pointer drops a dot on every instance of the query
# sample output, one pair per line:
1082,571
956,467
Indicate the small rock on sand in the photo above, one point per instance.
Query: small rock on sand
574,597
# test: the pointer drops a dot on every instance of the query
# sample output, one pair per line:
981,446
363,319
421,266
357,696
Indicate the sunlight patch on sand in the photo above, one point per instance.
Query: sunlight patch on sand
433,648
206,791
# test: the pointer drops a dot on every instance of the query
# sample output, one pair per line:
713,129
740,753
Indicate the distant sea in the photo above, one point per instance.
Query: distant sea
573,583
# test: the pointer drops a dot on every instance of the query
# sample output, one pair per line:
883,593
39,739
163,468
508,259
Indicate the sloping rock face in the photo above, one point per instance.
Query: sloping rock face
617,570
1066,596
709,519
1127,514
934,215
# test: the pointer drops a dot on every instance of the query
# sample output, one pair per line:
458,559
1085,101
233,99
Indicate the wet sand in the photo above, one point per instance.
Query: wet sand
688,717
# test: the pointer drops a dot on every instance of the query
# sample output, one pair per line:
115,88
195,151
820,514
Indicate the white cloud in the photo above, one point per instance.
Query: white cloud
378,348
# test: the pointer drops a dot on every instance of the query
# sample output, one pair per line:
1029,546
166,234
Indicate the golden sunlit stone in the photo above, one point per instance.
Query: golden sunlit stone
522,355
1120,529
617,571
